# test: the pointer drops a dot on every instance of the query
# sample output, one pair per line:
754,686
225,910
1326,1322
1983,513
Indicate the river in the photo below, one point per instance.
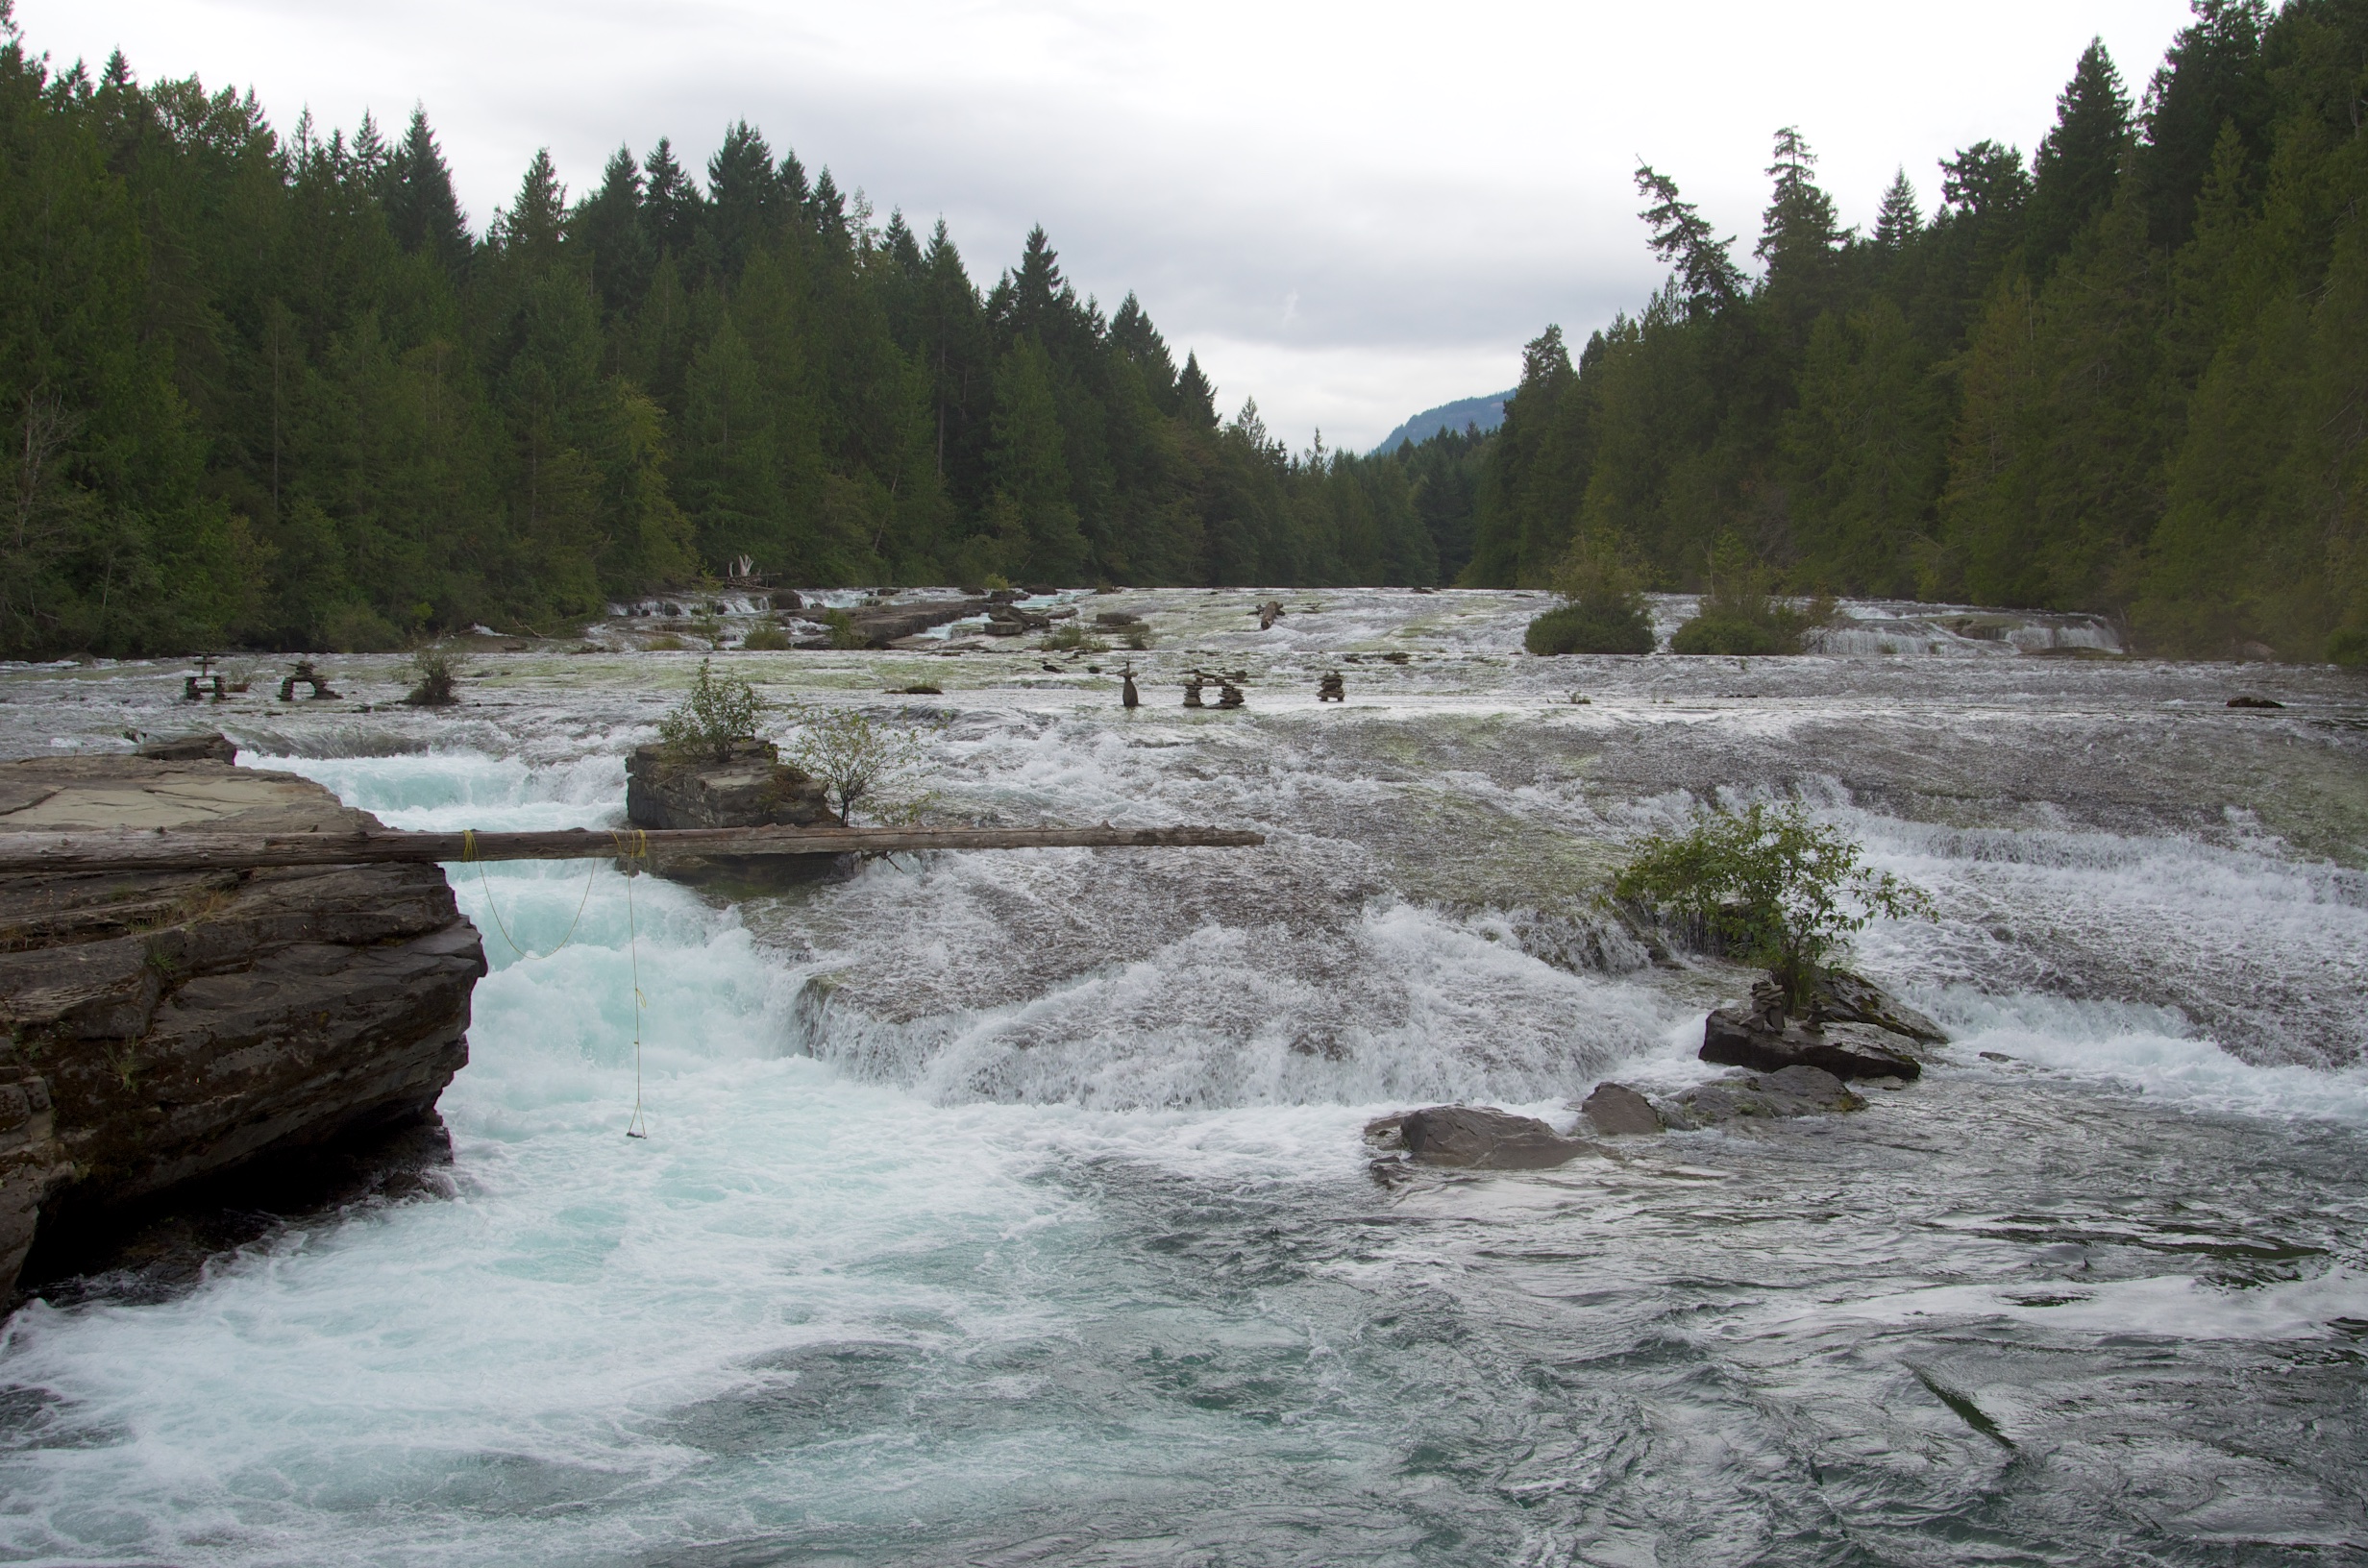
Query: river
1012,1208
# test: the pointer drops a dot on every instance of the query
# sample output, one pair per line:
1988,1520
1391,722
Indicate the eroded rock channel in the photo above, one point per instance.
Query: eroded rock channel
167,1030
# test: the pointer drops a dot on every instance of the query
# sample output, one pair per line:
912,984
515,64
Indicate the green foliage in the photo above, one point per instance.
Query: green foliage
1602,611
267,388
2124,376
1071,637
718,712
433,665
765,637
861,763
1740,615
1774,887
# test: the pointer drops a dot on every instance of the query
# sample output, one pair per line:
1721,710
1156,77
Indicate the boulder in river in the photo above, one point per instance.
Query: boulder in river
1843,997
752,787
1483,1138
165,1028
1791,1091
1734,1038
1614,1110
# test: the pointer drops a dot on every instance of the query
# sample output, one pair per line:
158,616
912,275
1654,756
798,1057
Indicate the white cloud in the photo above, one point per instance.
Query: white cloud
1353,211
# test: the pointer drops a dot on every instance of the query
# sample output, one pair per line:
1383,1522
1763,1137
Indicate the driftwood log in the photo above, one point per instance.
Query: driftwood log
199,849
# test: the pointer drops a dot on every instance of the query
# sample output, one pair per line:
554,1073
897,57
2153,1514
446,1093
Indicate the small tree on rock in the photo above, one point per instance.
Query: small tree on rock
1778,888
718,713
860,762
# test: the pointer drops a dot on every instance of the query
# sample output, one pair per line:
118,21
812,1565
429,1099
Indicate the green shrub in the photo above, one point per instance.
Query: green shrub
841,626
1775,887
433,665
1587,628
1071,637
2349,646
1740,615
1602,612
718,712
1732,634
860,761
766,637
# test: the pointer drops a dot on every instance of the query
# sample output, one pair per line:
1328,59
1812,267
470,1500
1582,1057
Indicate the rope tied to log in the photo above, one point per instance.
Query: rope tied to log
468,855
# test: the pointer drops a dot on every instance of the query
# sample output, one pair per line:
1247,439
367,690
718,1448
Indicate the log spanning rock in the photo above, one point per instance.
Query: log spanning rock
180,848
168,1024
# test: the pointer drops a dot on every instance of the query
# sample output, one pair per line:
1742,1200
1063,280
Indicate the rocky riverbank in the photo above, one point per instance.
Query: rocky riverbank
168,1029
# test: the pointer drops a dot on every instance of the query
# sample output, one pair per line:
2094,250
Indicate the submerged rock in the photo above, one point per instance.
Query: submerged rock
1734,1038
165,1028
1483,1138
1615,1110
1791,1091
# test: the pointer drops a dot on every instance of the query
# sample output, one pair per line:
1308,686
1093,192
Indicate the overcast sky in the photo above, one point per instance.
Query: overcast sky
1352,212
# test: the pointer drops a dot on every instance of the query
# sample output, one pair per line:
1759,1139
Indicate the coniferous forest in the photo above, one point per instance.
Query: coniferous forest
2127,374
271,390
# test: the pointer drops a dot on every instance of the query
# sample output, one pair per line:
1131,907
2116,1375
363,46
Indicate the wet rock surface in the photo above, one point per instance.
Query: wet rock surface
1734,1038
1844,998
1791,1091
1483,1138
168,1028
1614,1110
750,788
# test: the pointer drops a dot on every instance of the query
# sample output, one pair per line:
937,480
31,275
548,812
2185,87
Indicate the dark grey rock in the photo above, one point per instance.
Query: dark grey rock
165,1028
1847,1050
881,625
1615,1110
206,746
1843,997
1792,1092
752,788
1483,1138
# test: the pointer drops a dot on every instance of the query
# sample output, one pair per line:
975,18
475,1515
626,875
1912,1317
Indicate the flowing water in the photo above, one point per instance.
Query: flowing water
1013,1209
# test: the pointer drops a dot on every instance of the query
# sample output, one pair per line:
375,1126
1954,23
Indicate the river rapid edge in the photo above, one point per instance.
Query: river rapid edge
1012,1208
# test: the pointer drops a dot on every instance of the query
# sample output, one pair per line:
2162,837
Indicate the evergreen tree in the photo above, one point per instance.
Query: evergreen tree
2074,170
422,209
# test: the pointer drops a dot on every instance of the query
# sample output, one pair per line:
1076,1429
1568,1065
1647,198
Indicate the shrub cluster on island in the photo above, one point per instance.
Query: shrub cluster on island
1765,886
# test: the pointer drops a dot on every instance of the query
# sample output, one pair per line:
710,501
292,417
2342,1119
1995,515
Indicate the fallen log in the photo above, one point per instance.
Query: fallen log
196,849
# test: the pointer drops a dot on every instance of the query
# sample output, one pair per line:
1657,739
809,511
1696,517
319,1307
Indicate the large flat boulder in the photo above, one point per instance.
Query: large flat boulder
1483,1138
167,1028
882,625
1734,1038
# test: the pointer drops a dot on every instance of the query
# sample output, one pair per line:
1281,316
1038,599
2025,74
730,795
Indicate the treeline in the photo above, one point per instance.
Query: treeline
2128,374
274,392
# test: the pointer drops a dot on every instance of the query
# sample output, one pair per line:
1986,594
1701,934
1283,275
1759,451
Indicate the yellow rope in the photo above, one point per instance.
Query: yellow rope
636,1126
468,852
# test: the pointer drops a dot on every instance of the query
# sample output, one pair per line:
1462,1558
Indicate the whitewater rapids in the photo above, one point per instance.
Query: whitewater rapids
1012,1208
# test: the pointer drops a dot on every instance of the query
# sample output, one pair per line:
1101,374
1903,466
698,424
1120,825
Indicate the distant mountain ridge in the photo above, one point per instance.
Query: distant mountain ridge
1488,412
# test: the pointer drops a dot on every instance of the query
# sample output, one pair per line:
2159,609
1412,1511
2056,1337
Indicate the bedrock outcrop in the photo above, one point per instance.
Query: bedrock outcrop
167,1028
750,787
